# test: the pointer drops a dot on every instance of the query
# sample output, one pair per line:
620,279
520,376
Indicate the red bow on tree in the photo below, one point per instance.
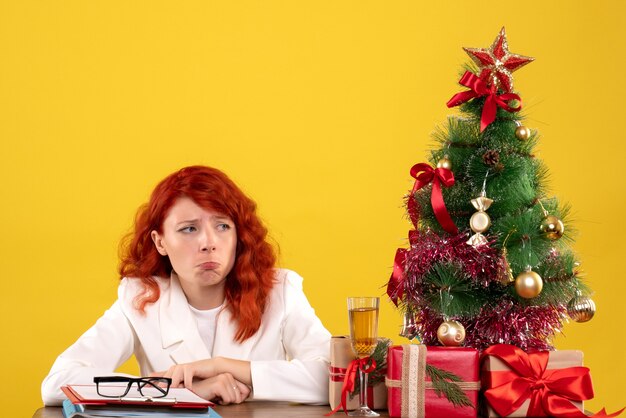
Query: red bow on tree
424,174
394,286
478,88
551,392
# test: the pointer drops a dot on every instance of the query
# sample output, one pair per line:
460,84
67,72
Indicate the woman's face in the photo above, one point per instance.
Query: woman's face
200,244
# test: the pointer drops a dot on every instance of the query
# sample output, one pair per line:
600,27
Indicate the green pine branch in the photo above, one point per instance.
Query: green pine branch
450,292
444,384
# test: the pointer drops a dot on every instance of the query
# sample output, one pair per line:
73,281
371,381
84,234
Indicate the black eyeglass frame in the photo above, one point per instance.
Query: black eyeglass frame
142,382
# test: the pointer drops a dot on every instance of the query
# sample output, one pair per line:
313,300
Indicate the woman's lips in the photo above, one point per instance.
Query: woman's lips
209,265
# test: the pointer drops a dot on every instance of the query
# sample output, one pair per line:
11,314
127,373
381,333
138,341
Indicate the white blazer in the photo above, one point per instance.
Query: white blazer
288,354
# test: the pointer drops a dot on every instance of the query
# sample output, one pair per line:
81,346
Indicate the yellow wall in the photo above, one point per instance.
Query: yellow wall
318,109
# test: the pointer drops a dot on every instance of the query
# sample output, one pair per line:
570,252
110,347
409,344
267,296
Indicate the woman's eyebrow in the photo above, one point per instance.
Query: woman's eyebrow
187,221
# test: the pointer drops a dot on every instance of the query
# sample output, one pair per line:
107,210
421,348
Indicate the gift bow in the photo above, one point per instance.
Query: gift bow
350,378
551,392
478,88
425,174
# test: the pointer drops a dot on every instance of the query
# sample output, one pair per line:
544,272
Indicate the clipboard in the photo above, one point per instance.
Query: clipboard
177,398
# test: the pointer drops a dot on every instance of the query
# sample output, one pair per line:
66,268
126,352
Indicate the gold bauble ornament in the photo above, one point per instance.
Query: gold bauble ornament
451,333
552,227
528,284
444,163
522,133
581,308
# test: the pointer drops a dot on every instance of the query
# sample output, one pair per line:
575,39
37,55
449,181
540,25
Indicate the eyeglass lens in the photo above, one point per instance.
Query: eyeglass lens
117,386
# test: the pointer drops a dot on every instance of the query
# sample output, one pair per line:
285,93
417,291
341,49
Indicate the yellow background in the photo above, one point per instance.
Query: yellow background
317,109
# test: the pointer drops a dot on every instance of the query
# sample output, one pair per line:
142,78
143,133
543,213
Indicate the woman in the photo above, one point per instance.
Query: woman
201,302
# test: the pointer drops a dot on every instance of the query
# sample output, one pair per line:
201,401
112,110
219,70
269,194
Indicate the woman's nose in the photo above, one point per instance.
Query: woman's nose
207,241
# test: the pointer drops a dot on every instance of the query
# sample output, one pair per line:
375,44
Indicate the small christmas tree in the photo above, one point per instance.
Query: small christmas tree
489,259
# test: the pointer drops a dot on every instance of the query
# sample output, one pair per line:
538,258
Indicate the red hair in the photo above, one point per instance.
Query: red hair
248,284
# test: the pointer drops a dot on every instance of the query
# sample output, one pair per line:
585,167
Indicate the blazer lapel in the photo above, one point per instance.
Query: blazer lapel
225,344
178,325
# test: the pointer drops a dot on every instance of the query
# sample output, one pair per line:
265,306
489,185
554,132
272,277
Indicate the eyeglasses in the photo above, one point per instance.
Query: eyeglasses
153,387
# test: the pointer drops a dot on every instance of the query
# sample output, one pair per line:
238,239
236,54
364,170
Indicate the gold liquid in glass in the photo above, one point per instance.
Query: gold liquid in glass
364,330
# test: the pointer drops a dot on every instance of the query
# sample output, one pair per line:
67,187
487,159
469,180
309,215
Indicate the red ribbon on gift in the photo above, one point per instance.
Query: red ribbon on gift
338,374
479,88
551,392
424,174
350,378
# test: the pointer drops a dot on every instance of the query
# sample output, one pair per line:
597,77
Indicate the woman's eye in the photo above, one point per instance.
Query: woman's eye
187,229
223,227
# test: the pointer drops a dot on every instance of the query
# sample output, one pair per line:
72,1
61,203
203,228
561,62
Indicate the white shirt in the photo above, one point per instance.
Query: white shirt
207,322
288,355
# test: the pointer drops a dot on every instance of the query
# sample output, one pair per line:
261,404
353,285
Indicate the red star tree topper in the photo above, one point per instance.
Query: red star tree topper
497,63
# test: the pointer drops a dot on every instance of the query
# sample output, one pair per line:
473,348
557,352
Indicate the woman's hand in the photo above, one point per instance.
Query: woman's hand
204,378
184,374
203,369
223,389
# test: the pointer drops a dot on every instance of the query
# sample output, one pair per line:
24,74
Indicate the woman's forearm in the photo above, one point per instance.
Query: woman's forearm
240,369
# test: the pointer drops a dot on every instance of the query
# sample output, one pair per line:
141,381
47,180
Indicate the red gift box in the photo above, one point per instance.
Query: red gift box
410,390
544,383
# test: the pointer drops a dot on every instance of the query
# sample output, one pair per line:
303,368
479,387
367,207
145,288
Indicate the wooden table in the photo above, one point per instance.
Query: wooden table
246,409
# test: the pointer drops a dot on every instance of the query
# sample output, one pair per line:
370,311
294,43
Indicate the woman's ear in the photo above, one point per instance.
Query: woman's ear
158,242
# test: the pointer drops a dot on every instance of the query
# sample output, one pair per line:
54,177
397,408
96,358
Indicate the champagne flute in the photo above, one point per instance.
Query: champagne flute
363,314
